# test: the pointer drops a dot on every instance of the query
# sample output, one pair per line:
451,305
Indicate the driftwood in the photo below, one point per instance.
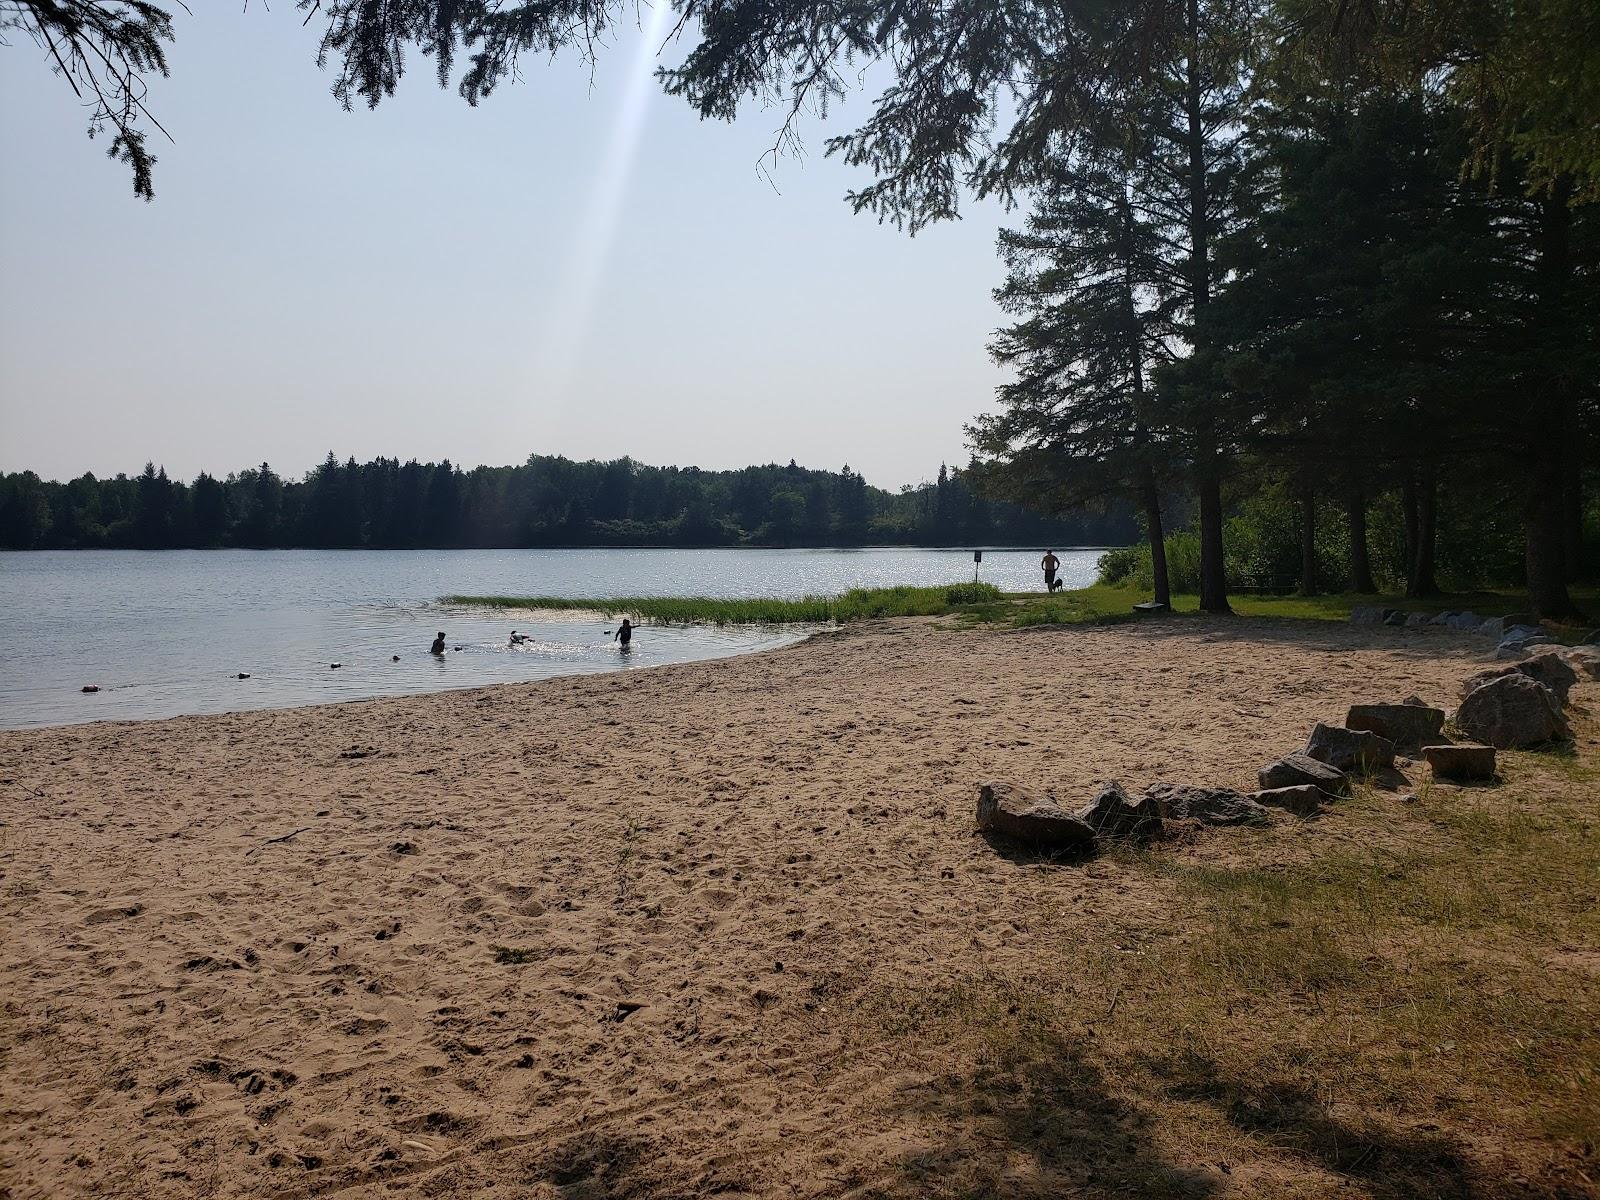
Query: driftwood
284,838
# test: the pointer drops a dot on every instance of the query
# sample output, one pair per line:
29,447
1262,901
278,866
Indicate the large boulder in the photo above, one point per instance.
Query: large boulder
1465,761
1512,712
1112,814
1297,769
1207,805
1349,749
1549,667
1475,681
1584,660
1368,614
1303,799
1408,726
1466,622
1494,627
1032,820
1417,620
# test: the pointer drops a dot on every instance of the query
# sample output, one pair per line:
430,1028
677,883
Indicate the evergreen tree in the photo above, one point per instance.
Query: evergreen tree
1077,426
210,511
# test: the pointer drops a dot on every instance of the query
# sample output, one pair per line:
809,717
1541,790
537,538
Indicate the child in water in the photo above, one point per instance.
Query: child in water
624,633
438,644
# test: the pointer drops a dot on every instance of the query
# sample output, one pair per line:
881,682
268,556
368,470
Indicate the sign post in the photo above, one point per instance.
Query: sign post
977,557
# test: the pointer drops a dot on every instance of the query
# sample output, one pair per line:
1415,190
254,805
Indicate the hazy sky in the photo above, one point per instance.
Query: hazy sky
567,269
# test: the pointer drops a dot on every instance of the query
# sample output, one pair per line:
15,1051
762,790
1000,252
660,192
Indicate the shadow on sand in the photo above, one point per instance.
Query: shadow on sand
1420,1164
1331,636
1046,1124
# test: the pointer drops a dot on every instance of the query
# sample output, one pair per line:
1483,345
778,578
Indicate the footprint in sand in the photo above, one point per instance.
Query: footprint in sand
101,915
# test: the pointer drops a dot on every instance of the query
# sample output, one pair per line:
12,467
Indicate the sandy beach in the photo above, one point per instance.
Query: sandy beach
718,928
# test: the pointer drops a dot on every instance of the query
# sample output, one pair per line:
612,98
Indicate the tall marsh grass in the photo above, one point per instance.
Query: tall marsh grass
855,605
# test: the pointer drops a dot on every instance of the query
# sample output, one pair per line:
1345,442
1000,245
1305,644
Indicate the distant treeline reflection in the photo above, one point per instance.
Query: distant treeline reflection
546,501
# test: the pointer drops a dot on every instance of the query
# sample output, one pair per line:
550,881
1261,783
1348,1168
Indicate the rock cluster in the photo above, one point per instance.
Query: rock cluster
1516,635
1040,823
1509,707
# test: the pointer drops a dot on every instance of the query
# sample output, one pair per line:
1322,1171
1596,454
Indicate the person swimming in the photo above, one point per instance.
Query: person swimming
438,644
624,633
518,638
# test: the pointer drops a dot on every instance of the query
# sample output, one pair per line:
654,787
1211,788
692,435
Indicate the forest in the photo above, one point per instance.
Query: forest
546,501
1298,300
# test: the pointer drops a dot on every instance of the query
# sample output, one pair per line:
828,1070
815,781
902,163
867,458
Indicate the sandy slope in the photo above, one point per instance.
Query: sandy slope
746,850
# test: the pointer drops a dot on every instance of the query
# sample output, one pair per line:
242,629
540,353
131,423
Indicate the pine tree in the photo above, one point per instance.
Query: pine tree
1078,428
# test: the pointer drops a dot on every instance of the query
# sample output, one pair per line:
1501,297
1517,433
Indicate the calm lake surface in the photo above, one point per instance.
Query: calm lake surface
168,633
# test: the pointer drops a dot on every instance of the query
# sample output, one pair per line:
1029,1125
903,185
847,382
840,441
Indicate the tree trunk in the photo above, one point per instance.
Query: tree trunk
1544,523
1158,539
1150,494
1419,573
1213,576
1308,540
1208,461
1360,558
1572,509
1550,415
1408,516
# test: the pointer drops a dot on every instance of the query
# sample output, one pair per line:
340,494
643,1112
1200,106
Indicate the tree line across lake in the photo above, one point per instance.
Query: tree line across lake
546,501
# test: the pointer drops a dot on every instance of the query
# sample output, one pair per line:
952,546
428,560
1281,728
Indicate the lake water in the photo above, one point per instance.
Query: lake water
167,633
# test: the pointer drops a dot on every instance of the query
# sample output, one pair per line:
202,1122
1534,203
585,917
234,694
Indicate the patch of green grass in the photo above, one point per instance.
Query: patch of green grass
855,605
513,956
1102,602
1336,607
984,604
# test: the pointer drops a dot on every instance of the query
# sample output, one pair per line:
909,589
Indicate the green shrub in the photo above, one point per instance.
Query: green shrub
1131,565
971,593
1119,565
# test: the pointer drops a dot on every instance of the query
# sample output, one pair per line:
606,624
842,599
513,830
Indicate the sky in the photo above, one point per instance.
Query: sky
578,266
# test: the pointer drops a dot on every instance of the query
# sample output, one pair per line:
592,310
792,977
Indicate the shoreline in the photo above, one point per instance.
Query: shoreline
490,686
726,925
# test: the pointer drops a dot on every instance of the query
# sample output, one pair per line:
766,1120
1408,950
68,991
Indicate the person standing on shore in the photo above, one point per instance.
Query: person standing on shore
1050,563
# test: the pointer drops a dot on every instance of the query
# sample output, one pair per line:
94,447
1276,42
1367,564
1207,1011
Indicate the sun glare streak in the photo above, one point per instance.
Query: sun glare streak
596,233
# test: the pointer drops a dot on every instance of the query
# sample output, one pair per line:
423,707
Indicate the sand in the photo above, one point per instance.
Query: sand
264,953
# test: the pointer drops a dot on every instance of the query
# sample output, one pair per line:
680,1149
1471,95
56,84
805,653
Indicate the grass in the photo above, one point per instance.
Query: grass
1407,1009
514,956
855,605
984,604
